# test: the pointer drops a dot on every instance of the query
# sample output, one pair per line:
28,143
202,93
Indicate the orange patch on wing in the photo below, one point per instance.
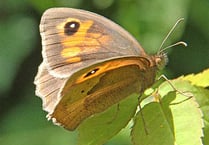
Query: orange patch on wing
70,52
95,35
81,41
73,59
91,42
113,64
79,37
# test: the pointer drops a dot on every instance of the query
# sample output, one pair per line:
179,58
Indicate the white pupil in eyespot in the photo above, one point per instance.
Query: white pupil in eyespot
93,71
72,25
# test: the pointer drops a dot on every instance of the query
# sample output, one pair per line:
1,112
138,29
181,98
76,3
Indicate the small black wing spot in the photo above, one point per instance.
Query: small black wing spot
82,91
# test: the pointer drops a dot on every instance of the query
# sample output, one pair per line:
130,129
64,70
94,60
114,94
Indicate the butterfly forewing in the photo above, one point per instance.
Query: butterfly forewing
90,39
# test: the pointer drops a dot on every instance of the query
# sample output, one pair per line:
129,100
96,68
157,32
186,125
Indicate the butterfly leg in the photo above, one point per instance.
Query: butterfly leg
186,94
115,114
142,116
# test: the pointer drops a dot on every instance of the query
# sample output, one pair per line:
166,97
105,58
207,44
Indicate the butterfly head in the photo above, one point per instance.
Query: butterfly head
161,60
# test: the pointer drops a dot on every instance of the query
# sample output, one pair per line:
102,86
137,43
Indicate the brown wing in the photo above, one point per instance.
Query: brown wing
73,39
48,88
94,89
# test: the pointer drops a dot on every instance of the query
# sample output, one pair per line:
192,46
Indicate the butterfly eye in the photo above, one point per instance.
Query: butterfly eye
91,72
71,27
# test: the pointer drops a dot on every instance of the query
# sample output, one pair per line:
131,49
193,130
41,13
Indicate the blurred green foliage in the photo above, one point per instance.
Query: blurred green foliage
22,120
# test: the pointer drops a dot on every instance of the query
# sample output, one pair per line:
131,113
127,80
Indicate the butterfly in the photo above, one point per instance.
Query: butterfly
89,64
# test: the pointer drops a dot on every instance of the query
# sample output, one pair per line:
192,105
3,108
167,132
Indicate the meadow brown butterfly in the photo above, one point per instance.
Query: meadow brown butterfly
89,64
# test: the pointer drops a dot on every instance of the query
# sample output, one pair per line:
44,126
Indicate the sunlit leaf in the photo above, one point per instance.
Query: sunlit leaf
200,79
170,122
100,128
154,130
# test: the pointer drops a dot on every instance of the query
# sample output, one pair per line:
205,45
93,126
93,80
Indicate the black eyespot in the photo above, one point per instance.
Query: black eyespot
91,72
71,27
82,91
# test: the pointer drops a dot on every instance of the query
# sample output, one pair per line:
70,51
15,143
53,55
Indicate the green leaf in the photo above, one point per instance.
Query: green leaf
200,79
170,122
153,129
201,94
202,97
123,137
192,124
101,127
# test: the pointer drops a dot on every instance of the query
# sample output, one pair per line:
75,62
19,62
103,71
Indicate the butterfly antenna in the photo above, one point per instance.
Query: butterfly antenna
160,50
177,43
